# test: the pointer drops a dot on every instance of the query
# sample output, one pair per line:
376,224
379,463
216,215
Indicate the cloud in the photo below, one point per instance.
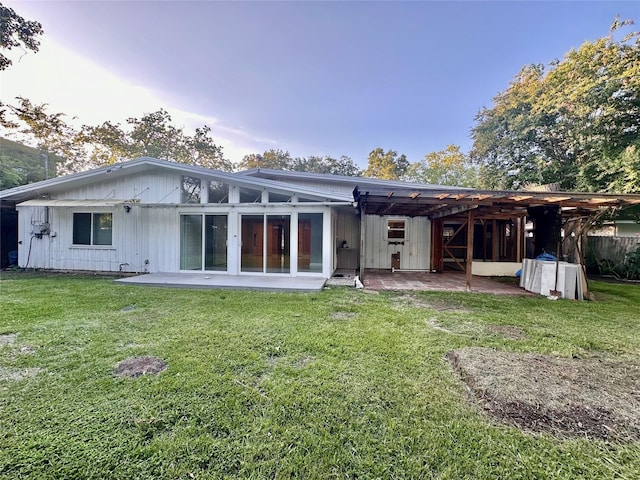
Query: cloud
91,94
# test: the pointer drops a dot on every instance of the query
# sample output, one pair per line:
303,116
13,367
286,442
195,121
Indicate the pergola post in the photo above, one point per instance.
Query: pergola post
469,261
362,244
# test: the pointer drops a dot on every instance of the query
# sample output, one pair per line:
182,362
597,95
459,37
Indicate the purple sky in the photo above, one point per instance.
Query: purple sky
335,78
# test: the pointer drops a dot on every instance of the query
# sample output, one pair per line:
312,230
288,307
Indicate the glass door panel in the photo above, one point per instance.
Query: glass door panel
191,242
252,251
215,242
310,242
278,243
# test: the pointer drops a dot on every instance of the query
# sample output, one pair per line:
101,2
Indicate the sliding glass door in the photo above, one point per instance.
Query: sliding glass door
266,243
203,242
310,242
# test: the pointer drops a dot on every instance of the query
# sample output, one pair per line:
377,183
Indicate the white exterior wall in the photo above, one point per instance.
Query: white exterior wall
147,187
129,249
415,254
147,238
495,269
56,250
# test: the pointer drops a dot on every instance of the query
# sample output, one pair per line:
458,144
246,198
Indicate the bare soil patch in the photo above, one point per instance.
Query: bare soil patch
457,327
17,374
507,331
8,338
304,361
138,366
343,315
595,398
415,301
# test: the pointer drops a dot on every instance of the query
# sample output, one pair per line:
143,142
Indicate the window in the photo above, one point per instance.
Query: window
279,198
248,195
395,229
92,228
218,192
190,189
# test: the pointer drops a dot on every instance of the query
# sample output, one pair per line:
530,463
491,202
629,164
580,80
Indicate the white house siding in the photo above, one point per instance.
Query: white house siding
414,254
147,187
147,237
56,250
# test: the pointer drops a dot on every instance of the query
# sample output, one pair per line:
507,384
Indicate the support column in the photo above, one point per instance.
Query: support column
362,243
469,261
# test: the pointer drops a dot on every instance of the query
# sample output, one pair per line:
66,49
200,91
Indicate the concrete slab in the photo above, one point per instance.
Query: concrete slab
444,282
235,282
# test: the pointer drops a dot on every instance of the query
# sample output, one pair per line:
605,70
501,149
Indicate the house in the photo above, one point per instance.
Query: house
149,215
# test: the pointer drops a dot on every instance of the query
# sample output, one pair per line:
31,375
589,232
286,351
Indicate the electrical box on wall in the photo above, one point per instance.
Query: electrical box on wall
40,228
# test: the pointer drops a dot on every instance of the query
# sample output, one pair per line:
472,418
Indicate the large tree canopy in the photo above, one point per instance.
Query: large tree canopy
575,123
282,160
93,146
386,165
445,167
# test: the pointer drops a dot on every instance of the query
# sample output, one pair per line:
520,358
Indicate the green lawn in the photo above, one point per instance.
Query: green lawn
338,384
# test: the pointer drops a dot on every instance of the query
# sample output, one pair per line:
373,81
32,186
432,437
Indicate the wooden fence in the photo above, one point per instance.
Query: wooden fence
612,249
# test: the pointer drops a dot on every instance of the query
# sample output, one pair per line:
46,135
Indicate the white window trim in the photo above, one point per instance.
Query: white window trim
92,245
403,229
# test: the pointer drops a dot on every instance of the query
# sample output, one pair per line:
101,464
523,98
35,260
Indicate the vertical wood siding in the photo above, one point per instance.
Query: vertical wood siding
414,254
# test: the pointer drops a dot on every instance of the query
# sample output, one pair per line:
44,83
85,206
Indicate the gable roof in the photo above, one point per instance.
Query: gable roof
339,179
147,163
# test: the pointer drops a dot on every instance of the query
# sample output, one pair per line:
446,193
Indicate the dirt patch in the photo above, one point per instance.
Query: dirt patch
17,374
343,315
138,366
455,327
303,361
510,332
596,398
415,301
8,338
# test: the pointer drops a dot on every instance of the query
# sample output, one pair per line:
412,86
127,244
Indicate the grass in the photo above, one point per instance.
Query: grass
338,384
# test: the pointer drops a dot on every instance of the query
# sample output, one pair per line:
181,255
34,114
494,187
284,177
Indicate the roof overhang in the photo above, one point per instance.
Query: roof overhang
440,203
44,202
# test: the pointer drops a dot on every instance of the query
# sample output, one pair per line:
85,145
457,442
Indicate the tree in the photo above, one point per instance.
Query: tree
93,146
327,165
568,123
16,32
50,133
20,164
445,167
272,159
386,165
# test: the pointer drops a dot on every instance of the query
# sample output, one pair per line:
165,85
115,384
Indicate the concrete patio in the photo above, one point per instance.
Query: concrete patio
377,280
444,282
234,282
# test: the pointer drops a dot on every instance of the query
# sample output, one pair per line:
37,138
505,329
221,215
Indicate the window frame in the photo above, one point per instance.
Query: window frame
92,226
391,229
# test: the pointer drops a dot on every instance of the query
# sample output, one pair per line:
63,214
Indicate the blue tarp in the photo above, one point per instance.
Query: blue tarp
543,256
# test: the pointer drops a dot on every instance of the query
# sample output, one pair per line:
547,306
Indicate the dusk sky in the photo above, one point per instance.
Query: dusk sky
326,78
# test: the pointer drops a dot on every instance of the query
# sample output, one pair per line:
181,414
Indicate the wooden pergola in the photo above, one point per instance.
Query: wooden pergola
574,211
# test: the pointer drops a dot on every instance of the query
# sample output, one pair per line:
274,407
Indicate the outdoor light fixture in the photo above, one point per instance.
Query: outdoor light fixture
127,208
